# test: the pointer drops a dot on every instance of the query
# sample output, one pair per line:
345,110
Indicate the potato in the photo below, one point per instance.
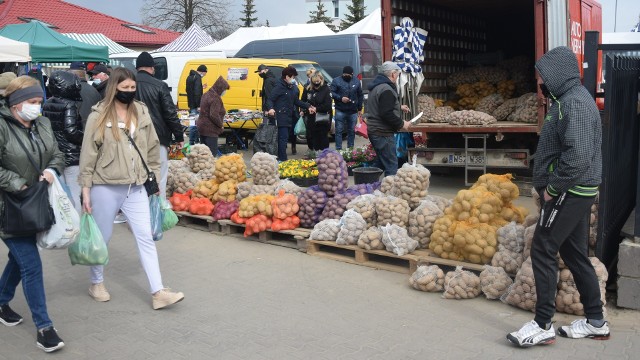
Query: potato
526,109
568,297
508,260
371,239
255,205
522,293
427,106
412,183
387,186
470,117
421,222
201,159
461,284
311,203
441,114
494,282
326,230
489,104
366,207
230,167
352,225
226,191
333,176
186,181
392,210
511,237
289,187
502,112
264,169
397,241
427,278
337,205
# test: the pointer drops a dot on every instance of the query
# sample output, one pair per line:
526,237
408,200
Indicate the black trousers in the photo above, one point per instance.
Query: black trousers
564,227
317,134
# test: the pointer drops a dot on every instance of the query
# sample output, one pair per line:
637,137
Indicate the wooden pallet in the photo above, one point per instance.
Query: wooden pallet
294,239
382,259
198,222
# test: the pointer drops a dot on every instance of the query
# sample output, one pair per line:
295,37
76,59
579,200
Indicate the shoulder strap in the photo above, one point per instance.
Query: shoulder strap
139,153
24,148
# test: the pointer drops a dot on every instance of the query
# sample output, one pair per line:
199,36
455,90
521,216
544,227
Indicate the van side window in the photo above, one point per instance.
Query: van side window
162,71
276,70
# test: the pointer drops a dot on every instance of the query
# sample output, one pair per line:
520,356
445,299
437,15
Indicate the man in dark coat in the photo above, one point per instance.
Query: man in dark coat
90,96
156,95
194,96
100,76
268,83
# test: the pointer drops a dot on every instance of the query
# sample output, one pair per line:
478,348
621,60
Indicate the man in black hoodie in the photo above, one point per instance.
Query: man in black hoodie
384,117
268,83
567,172
194,97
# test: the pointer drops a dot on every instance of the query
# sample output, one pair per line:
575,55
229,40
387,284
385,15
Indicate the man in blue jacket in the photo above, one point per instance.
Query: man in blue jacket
346,92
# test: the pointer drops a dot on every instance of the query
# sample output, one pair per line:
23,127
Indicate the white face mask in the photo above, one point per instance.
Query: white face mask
97,81
224,92
29,112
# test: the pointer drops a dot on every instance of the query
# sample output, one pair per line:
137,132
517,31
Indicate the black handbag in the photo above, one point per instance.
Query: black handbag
266,138
151,185
27,212
323,118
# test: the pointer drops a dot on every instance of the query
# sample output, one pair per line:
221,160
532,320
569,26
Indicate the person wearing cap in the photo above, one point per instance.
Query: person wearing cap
268,83
90,96
283,103
100,76
384,116
195,90
156,95
346,92
20,112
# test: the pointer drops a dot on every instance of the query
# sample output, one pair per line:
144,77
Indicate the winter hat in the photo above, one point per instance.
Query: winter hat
202,68
144,60
347,70
99,68
77,65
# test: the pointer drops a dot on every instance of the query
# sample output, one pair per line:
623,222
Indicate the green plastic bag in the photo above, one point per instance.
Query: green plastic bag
300,128
169,218
90,248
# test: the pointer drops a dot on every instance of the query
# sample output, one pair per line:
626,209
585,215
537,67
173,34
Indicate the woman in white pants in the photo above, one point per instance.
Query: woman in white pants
112,175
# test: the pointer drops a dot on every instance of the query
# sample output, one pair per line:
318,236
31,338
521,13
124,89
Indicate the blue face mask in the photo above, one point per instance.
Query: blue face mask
97,81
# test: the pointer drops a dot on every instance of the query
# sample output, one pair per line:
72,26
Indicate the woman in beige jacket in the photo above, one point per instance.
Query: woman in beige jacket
112,175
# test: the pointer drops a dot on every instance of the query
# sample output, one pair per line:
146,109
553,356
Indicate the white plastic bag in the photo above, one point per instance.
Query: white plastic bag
67,227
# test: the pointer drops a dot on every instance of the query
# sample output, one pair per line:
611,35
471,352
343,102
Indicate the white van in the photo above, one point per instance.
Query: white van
168,64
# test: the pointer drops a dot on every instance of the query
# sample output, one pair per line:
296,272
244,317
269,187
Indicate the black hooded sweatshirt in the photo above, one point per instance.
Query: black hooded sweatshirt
569,154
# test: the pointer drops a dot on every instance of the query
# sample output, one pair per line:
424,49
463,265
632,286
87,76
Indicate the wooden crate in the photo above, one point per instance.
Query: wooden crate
430,258
294,239
198,222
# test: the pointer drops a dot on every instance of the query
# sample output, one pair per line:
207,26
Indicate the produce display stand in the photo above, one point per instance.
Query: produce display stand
198,222
294,239
382,259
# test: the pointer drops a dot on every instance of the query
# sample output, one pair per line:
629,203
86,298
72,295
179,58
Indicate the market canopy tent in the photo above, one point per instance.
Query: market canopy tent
192,39
241,37
100,40
48,46
371,24
13,51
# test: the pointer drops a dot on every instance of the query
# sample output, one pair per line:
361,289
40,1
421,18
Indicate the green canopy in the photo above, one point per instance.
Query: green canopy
48,46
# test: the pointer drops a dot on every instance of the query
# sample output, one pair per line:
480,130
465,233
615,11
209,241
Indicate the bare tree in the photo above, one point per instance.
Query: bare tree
179,15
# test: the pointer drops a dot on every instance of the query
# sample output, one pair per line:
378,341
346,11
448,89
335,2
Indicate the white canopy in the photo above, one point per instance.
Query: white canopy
190,40
13,51
100,40
234,42
371,24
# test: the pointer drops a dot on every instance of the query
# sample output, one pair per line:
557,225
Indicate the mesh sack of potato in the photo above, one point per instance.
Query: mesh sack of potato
224,209
483,88
333,177
489,104
531,219
528,240
371,239
490,74
441,114
412,183
326,230
526,109
440,201
522,293
470,117
494,282
421,222
285,205
397,240
506,88
426,105
231,167
352,225
205,189
477,205
264,169
176,167
311,202
456,79
502,112
427,278
337,205
509,260
500,185
388,185
392,210
511,237
200,158
568,297
365,206
289,187
461,284
186,181
442,238
476,242
226,191
593,223
256,204
244,190
364,189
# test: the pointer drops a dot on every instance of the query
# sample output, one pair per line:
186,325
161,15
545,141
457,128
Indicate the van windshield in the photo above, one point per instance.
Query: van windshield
129,63
302,72
370,58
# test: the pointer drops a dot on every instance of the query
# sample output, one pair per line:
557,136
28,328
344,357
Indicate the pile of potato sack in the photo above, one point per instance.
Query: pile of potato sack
483,95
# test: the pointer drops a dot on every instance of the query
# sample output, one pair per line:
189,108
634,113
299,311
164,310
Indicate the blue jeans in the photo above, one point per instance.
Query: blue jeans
194,135
283,139
25,265
385,147
348,120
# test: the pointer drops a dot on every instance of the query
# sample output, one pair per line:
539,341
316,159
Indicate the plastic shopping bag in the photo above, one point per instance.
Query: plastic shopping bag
300,128
89,248
156,217
361,129
169,218
67,226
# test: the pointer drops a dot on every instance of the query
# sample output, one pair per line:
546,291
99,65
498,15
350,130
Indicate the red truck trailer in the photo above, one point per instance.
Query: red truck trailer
460,30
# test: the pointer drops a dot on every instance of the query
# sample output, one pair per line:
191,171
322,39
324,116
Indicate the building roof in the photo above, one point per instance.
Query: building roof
69,18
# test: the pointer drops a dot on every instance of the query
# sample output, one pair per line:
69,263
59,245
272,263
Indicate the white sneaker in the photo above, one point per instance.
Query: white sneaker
582,329
166,297
120,219
531,334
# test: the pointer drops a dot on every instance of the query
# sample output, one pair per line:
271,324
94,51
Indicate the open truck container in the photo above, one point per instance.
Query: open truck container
467,32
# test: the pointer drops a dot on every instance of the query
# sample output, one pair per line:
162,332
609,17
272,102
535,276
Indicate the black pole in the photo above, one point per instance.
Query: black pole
590,64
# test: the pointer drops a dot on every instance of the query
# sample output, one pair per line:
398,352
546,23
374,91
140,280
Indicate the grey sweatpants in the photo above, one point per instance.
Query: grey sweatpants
106,200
